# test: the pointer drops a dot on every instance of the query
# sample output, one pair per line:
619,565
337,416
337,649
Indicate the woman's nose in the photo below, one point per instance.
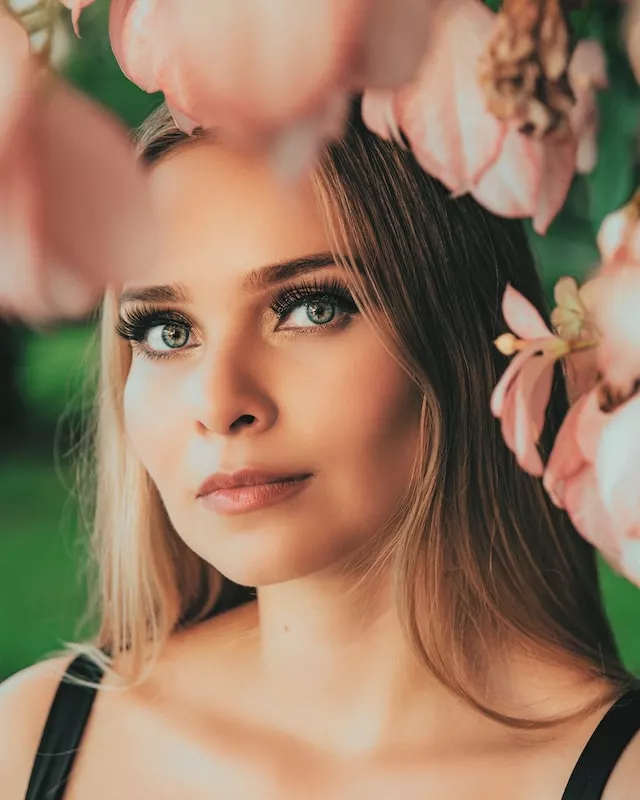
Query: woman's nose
229,391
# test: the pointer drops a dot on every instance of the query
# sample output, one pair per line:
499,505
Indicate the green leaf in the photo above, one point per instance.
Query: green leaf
568,248
613,180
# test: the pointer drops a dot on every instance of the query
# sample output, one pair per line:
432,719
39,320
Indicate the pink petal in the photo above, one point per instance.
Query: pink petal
631,35
529,179
558,165
530,398
522,316
508,422
618,468
613,233
260,65
394,41
581,372
588,66
184,122
522,408
566,459
587,153
136,30
21,281
589,516
619,323
630,560
97,218
76,7
534,390
505,384
294,149
378,114
443,111
587,72
510,186
590,425
15,77
619,235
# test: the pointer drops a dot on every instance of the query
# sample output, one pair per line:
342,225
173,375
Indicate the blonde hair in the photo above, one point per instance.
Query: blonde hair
479,556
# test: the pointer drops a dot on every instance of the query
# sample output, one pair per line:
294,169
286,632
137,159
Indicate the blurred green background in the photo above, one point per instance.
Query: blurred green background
47,377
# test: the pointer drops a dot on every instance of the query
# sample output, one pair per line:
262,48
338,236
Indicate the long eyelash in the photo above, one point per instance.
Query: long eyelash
307,291
135,323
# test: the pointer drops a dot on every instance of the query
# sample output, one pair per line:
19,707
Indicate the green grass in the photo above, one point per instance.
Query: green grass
41,593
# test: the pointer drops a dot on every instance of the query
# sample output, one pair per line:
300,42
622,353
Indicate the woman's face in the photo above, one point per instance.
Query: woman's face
233,371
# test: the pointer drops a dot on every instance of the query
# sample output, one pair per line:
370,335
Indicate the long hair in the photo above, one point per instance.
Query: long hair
479,557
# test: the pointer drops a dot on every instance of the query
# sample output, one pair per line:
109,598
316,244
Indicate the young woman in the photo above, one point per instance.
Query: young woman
321,574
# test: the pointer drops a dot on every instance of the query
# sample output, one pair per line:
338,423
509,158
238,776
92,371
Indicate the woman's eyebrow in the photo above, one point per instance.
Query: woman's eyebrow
262,277
170,293
255,280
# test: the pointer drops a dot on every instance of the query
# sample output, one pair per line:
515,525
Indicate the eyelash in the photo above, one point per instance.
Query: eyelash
137,323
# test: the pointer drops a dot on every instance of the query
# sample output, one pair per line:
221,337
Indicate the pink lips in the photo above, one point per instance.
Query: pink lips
248,490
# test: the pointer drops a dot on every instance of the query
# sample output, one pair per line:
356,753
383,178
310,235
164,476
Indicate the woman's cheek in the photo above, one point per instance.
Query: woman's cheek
373,393
146,417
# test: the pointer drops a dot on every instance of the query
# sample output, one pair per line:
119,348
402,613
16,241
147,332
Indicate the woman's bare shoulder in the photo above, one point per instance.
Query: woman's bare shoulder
25,700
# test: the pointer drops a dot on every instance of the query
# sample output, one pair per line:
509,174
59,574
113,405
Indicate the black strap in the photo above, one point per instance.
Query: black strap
62,732
604,748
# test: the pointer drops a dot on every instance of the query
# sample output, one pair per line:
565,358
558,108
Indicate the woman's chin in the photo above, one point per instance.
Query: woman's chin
259,566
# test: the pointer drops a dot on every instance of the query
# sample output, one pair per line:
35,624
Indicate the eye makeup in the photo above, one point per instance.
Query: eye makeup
137,322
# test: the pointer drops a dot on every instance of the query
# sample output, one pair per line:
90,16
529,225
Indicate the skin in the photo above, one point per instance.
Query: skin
249,390
314,673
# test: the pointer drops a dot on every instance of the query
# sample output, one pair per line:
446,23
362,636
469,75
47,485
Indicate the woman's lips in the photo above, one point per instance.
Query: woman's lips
251,498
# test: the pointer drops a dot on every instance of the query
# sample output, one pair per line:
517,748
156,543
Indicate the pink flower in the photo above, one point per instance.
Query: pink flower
593,473
258,71
618,314
619,234
73,204
618,467
570,478
521,396
454,136
594,467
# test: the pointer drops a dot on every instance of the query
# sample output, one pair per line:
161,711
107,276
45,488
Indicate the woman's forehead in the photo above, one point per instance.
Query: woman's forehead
223,181
221,209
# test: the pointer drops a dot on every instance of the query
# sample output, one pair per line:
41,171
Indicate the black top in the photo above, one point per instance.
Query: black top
72,705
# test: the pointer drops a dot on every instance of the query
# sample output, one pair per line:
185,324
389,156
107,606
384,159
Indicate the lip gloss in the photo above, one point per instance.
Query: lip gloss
251,498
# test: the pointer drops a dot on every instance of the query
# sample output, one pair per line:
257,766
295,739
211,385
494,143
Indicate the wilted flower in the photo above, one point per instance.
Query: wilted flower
523,68
446,118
